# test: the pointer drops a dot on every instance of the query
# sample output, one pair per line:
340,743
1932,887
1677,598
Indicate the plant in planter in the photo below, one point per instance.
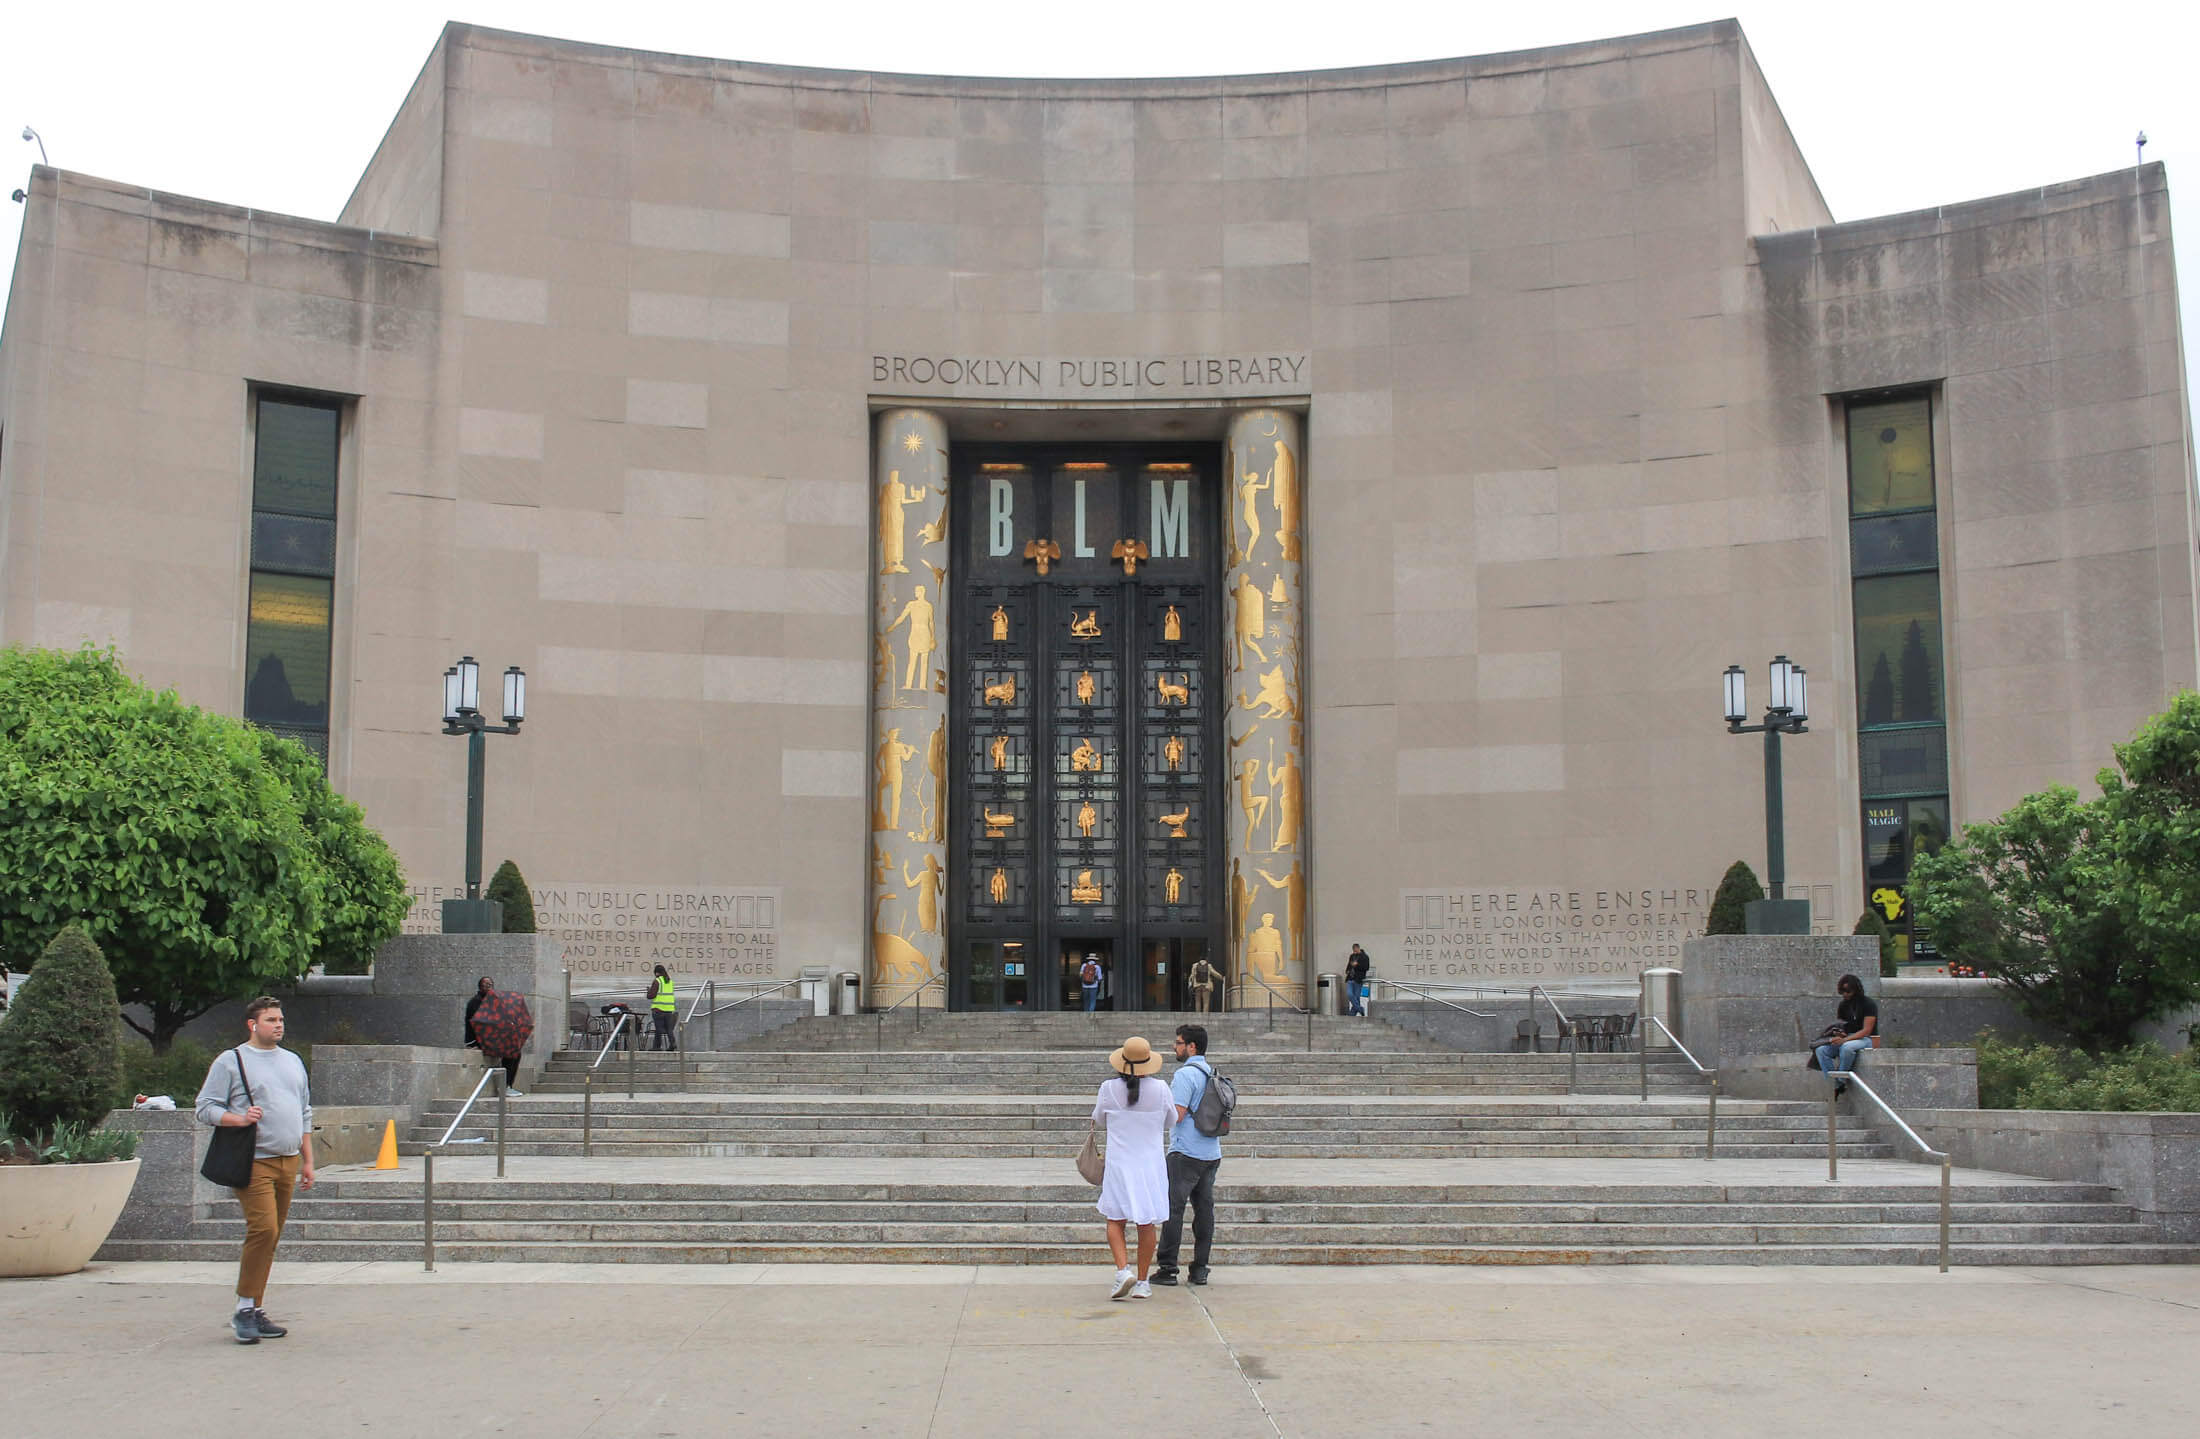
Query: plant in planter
63,1180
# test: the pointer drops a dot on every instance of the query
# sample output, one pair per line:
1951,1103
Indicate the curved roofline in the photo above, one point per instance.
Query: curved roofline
1098,88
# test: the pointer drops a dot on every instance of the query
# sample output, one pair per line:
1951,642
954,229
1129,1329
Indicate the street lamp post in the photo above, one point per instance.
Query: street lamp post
1787,712
462,716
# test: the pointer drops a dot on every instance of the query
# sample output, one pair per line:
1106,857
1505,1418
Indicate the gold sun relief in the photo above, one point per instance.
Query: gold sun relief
912,442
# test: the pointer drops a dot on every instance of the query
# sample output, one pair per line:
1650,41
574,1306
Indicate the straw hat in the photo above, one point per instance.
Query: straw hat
1135,1057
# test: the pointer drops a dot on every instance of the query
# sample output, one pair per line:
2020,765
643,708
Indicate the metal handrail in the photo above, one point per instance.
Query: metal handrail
878,1033
611,1039
1437,998
1642,1060
1947,1162
1273,996
717,1009
1566,1030
427,1162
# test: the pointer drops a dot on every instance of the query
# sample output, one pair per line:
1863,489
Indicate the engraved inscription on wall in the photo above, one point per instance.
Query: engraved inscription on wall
625,930
1537,935
1258,373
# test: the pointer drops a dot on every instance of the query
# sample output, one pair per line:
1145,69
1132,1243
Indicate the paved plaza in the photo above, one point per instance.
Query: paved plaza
548,1351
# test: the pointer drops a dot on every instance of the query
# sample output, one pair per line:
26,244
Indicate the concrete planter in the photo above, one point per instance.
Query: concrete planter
54,1217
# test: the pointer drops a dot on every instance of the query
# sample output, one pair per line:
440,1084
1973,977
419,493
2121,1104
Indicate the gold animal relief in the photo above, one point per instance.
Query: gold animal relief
1130,552
1087,628
1176,822
1003,693
1046,552
997,825
1178,693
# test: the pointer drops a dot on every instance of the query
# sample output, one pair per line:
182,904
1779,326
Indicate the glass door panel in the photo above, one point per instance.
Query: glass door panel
985,975
1015,978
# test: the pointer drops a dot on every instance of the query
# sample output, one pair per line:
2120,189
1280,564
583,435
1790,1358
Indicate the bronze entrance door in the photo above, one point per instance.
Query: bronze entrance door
1083,705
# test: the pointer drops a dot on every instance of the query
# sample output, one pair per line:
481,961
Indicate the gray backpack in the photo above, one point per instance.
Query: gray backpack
1211,1116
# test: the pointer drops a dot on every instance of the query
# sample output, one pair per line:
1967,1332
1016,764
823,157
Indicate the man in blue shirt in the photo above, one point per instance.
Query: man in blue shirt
1194,1159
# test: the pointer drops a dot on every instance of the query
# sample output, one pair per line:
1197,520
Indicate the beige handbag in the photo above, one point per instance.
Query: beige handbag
1089,1162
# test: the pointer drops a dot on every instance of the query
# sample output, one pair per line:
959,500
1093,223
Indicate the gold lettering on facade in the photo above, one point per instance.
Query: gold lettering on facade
1176,822
1084,759
1000,623
1172,627
1046,552
1177,693
1087,628
1085,889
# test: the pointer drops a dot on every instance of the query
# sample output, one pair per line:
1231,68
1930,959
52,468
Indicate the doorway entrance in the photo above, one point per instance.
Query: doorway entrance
1084,724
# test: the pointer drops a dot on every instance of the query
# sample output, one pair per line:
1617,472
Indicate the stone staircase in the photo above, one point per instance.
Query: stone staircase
951,1144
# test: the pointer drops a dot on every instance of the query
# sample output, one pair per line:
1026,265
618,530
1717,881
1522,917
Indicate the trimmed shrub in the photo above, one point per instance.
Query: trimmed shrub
1871,923
60,1045
1738,888
509,889
2144,1078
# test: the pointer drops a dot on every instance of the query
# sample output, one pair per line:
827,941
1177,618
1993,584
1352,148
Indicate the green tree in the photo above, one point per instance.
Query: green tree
1870,923
2032,898
60,1044
509,889
364,899
1737,889
208,863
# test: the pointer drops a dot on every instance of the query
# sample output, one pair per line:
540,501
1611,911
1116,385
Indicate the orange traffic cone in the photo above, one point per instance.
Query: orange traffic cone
387,1159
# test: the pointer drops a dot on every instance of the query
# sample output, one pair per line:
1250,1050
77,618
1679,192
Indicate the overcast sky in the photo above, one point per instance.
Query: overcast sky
1896,106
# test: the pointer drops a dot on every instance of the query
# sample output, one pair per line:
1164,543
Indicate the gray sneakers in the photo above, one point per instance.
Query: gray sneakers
269,1329
245,1324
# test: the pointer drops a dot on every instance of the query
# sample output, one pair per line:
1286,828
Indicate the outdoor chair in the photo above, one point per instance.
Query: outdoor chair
1528,1035
585,1026
1627,1039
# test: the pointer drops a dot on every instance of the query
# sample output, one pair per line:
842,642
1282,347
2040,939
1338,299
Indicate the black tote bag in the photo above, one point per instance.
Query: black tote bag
229,1153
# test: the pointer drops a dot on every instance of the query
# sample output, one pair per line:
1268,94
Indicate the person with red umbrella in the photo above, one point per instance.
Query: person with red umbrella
501,1025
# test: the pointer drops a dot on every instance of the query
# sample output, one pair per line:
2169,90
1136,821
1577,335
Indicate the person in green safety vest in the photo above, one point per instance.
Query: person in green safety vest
662,1007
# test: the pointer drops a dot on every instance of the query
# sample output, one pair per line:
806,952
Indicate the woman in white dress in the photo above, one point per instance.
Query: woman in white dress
1135,1188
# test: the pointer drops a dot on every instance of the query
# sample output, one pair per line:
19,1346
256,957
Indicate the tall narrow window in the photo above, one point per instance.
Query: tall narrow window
287,633
1901,695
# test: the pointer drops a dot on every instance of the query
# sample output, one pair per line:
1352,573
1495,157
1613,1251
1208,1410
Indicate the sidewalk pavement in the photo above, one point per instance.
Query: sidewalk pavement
548,1351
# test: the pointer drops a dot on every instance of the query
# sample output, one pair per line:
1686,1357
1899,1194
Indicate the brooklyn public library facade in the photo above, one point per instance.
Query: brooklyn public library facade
955,525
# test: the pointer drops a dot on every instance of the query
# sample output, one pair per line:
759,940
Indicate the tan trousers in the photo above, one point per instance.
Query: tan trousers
1205,997
266,1202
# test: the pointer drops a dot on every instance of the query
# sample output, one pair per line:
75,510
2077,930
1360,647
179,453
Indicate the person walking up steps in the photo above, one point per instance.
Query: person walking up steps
261,1083
1355,982
1135,1184
1194,1160
1088,978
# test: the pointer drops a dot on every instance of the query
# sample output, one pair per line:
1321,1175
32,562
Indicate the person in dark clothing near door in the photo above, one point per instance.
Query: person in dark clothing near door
1355,982
1194,1160
663,1007
1855,1030
481,990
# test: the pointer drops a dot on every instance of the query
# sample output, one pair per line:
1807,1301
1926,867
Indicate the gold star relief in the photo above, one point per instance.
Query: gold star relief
911,442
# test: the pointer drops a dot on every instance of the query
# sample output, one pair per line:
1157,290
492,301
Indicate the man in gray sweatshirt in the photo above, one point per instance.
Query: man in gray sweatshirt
260,1082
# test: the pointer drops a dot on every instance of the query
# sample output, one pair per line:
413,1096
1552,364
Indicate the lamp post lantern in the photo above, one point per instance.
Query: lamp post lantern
1788,712
462,716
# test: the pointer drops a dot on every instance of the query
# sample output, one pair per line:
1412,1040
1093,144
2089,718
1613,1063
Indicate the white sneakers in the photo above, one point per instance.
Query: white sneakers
1142,1290
1125,1282
516,1093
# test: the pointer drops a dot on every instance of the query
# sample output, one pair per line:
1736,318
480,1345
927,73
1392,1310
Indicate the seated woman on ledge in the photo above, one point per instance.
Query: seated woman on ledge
1857,1030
